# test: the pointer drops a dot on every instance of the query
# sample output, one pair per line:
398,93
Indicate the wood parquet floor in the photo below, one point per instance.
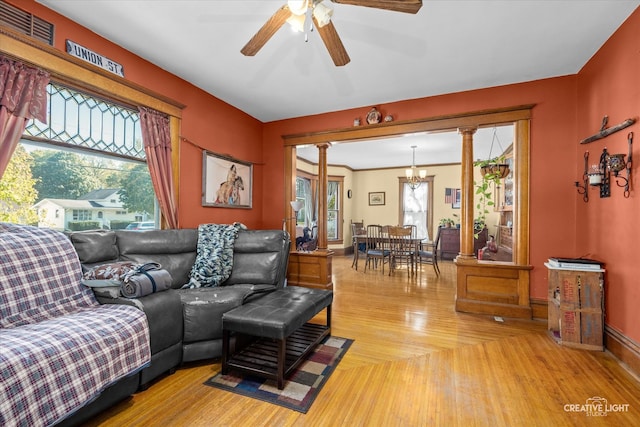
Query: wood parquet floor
414,362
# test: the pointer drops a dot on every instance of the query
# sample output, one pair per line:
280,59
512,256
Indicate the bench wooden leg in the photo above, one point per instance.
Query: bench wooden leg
282,357
225,351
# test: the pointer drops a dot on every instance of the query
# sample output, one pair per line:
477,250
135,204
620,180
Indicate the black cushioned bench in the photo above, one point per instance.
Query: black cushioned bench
279,319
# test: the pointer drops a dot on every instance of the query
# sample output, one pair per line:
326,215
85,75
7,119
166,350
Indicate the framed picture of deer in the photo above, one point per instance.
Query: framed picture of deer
226,182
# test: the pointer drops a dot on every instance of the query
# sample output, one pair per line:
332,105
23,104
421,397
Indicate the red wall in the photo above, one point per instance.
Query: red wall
609,84
567,109
206,121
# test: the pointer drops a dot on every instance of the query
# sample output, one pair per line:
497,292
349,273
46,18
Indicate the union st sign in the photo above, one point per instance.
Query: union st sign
96,59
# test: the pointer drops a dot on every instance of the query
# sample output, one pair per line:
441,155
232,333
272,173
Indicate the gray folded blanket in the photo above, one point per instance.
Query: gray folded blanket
144,280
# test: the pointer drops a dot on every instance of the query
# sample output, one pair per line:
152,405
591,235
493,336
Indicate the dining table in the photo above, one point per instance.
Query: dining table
358,239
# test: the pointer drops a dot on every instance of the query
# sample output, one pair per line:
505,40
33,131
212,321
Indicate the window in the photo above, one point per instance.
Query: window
415,206
306,186
87,162
76,119
81,215
334,203
304,194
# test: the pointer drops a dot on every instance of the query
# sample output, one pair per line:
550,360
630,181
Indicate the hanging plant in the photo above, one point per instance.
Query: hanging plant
493,170
494,166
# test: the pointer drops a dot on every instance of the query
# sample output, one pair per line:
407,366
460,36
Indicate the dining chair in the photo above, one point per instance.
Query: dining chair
428,253
413,228
402,248
357,229
377,247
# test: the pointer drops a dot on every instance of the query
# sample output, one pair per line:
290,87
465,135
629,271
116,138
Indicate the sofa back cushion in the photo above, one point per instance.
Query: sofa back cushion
95,246
260,257
40,276
175,250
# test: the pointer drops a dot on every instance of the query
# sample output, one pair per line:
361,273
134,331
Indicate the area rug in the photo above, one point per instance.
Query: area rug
300,389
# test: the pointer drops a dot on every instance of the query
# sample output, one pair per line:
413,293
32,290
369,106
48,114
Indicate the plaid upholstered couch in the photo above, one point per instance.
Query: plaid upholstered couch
59,348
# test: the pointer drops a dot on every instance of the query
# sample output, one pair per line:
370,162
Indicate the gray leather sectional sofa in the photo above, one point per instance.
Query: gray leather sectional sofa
185,324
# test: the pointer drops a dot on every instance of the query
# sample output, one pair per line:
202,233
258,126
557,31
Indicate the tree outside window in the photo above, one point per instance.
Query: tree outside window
87,158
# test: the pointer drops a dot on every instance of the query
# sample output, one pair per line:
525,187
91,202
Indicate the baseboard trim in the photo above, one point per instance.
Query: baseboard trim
539,308
623,348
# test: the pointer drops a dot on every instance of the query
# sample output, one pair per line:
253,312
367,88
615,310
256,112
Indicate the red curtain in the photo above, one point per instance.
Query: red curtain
23,96
157,146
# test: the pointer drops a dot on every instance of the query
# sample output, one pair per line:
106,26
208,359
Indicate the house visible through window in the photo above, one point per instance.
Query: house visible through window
85,168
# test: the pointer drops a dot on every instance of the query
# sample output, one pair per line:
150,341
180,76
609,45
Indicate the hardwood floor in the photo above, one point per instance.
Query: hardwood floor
414,362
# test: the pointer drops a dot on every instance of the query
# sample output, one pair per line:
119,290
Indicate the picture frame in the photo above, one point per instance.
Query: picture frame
376,198
456,200
226,182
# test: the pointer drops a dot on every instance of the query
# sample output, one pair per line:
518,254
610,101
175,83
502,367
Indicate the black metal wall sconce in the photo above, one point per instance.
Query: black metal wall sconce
599,175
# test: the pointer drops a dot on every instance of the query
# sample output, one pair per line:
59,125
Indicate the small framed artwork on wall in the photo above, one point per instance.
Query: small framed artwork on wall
226,182
455,204
376,198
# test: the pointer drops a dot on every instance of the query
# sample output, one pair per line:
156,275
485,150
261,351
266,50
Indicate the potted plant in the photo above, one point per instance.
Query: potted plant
492,176
494,167
446,222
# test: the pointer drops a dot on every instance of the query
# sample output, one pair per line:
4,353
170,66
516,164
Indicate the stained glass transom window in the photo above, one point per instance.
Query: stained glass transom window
82,120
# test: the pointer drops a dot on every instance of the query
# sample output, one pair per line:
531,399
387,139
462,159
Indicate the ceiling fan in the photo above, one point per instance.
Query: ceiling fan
299,12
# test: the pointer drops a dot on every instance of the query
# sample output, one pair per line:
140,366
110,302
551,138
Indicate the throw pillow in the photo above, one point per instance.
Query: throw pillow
110,271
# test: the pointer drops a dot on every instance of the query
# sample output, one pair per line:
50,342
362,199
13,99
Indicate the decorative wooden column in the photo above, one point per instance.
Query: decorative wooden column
290,192
466,203
312,269
485,287
323,183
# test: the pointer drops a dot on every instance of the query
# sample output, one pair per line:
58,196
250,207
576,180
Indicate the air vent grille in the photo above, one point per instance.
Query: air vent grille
26,23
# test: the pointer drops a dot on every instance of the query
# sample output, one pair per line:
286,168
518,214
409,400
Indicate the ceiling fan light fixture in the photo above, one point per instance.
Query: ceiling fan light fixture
322,14
298,7
297,22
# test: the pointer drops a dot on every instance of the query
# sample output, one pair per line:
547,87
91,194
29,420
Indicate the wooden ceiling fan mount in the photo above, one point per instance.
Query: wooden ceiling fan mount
320,16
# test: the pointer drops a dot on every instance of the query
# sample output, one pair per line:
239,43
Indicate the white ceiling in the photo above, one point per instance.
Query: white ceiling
448,46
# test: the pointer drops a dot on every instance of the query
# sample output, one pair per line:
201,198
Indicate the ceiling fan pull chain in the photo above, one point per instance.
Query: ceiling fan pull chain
309,19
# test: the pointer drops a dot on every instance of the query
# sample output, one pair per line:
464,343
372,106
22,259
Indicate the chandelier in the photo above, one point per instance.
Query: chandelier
415,177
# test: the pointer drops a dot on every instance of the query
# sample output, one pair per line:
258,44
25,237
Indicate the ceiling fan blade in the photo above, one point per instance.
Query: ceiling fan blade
267,31
406,6
332,41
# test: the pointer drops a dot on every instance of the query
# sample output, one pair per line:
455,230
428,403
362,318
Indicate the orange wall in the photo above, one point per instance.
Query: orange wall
206,121
606,228
567,109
